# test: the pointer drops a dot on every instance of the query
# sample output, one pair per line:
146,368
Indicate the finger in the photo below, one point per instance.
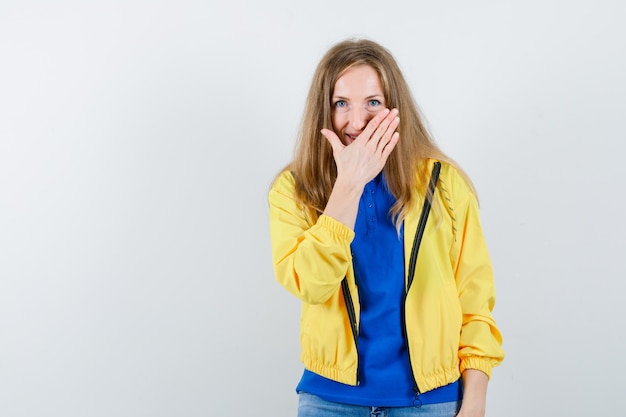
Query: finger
386,150
385,131
384,124
387,122
333,139
372,125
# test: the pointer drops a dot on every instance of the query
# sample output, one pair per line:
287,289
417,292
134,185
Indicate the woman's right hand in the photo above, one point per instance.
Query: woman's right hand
360,161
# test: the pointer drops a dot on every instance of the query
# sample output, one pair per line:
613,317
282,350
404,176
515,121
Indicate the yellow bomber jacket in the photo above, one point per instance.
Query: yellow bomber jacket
448,308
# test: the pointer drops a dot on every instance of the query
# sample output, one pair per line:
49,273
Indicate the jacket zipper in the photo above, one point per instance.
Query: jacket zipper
416,401
416,244
352,318
419,233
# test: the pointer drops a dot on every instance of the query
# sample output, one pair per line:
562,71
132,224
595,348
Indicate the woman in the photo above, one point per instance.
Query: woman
396,305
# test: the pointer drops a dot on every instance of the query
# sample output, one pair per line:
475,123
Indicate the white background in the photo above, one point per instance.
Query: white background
138,140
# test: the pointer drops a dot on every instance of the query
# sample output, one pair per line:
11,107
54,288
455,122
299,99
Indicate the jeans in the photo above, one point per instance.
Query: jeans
313,406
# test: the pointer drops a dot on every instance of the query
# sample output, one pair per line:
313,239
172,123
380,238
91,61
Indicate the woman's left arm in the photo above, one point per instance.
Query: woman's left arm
480,345
474,393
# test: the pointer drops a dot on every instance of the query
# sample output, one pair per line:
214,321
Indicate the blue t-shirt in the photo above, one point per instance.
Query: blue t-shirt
385,377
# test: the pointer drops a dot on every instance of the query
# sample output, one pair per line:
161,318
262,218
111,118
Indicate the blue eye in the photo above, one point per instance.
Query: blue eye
341,104
374,103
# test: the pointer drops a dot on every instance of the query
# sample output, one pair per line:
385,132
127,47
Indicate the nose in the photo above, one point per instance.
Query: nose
359,118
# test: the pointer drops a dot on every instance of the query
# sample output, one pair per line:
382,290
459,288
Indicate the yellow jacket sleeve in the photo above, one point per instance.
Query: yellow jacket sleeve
480,344
310,260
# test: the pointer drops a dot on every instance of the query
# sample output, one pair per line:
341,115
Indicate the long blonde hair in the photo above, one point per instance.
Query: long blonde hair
313,165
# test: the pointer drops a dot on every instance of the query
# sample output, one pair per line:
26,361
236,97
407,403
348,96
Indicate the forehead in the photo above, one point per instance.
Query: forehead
358,79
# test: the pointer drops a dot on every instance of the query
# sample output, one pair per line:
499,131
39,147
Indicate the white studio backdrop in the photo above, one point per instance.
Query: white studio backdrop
138,140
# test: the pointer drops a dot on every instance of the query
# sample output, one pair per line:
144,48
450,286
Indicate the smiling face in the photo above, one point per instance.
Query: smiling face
357,98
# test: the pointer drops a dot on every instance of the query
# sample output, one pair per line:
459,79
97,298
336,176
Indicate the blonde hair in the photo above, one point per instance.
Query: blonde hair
313,165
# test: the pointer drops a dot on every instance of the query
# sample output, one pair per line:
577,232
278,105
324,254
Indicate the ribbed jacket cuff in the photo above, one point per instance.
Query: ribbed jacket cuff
336,227
478,363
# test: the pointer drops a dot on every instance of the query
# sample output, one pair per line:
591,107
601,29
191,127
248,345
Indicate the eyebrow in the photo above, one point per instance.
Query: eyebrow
366,98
